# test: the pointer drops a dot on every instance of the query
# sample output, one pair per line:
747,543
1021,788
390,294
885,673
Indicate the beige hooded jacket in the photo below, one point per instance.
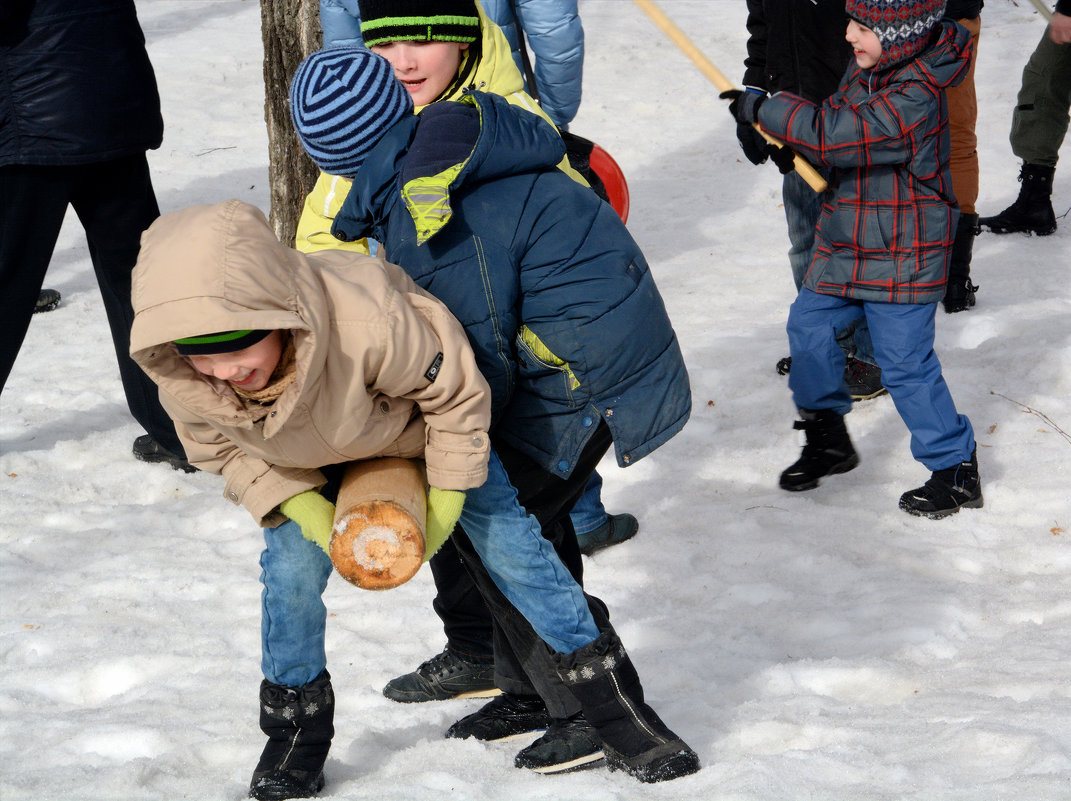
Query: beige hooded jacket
367,342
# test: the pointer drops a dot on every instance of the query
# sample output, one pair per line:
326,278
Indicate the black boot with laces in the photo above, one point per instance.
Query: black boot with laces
828,450
946,492
1031,213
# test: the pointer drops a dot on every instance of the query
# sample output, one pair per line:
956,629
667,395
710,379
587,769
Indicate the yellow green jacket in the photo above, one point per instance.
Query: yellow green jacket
496,73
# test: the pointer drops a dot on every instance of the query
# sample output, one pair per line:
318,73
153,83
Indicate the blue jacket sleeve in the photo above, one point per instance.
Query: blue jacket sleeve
556,38
341,23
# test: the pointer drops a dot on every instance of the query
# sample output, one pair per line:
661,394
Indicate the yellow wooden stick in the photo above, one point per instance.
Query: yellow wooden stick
1046,12
706,66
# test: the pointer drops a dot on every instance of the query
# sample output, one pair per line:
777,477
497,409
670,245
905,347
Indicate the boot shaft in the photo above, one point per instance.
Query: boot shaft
1037,182
602,677
299,724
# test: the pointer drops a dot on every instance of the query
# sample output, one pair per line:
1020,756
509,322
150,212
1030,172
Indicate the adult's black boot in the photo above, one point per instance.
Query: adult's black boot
299,722
1032,211
959,291
828,450
634,738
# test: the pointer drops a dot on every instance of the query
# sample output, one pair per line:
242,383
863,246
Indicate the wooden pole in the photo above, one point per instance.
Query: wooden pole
717,77
1046,12
380,514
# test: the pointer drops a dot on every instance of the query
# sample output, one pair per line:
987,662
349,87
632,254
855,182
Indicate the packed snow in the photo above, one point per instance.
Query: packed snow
820,645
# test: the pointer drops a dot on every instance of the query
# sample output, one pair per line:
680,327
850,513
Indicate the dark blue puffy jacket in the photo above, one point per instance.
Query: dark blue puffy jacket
555,295
76,85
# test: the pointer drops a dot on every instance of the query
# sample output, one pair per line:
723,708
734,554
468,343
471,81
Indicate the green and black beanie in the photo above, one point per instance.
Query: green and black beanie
385,21
222,342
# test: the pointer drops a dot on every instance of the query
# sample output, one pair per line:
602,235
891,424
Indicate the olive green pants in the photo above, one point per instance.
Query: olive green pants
1040,120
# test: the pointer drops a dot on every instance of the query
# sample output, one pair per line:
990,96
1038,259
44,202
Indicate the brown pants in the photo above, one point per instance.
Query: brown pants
962,115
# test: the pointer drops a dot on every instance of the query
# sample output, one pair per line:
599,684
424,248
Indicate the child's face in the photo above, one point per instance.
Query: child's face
865,43
424,68
249,369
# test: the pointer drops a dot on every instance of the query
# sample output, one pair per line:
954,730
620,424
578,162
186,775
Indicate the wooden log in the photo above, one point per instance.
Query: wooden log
378,539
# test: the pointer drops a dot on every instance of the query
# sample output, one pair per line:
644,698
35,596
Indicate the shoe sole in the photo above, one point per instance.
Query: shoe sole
876,394
848,464
423,699
509,738
1028,231
589,550
939,514
185,467
579,763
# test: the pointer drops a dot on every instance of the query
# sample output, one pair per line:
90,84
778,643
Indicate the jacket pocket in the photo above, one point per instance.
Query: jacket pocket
539,364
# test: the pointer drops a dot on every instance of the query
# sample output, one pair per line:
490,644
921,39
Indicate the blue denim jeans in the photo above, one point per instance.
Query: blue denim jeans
510,543
294,573
524,565
803,206
903,343
588,512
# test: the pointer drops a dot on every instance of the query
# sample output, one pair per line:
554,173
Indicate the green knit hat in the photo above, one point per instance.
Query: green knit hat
222,342
385,21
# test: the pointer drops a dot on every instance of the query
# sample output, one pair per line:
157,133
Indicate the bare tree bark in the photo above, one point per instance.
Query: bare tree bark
291,30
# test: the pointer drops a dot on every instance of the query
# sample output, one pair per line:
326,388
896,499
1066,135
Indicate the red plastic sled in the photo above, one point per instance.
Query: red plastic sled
613,179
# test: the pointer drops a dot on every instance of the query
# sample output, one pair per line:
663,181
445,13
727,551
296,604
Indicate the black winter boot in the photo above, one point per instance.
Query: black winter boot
946,492
299,725
959,291
635,740
828,450
1032,211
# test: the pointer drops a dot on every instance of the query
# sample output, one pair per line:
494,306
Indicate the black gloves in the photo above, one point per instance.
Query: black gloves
745,104
745,107
755,147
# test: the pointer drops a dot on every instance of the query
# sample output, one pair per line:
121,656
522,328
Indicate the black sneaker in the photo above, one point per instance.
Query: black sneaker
615,529
946,492
863,380
504,718
444,676
47,300
568,744
146,449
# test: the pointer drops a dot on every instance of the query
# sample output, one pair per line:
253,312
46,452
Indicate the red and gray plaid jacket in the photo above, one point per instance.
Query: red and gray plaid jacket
889,215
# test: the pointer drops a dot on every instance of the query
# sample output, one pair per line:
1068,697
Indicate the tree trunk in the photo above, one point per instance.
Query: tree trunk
291,30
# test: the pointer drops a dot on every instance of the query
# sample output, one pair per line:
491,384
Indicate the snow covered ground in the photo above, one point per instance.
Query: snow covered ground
815,646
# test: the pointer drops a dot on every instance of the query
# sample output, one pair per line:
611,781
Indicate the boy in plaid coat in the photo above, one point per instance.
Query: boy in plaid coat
882,243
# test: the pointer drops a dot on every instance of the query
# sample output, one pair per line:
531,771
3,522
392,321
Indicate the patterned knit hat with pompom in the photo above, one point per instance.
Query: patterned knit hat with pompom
902,26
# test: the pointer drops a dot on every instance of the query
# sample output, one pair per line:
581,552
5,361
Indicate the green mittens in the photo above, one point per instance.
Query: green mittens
444,509
316,516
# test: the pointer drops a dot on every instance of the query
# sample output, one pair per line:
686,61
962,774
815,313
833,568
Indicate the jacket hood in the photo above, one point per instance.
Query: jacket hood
207,269
448,146
943,64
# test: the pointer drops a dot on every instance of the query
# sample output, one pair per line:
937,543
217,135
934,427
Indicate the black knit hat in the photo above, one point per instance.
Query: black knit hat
222,342
418,21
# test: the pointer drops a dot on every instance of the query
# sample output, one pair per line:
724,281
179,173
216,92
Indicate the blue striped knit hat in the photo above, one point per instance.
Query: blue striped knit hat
342,101
902,26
